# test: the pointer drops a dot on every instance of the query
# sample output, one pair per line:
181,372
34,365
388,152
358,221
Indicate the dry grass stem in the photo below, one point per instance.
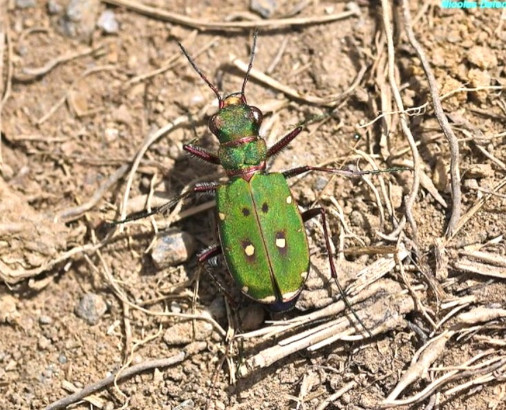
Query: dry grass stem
328,101
477,206
410,201
420,363
120,294
205,24
126,373
170,63
30,74
388,310
139,155
443,121
69,92
5,87
13,276
433,386
481,314
76,212
487,257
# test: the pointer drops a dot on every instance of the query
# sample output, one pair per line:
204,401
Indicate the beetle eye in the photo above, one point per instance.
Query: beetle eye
257,115
213,126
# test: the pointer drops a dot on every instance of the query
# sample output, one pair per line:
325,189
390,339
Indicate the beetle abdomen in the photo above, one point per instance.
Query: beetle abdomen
263,238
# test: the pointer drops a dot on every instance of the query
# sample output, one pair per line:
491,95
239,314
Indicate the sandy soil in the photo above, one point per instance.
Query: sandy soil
80,301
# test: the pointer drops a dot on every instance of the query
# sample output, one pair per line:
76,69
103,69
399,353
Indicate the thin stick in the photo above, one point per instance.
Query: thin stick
138,157
385,5
128,372
76,212
164,15
443,122
13,276
328,101
5,39
30,74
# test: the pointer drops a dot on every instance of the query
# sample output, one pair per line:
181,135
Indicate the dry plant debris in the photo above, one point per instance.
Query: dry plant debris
91,130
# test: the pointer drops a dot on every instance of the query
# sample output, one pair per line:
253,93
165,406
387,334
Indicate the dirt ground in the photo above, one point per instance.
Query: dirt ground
96,108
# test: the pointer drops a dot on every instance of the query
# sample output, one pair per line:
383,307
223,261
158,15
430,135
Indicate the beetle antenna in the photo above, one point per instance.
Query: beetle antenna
250,65
201,74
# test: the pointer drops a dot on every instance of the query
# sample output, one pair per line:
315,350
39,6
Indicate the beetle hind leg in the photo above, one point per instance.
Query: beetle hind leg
306,216
208,259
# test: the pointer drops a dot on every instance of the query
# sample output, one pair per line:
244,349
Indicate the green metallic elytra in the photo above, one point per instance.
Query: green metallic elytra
263,237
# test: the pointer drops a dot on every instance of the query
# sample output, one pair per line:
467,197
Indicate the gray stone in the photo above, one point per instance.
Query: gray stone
91,308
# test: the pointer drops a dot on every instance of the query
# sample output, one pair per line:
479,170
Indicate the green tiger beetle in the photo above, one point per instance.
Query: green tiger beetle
261,230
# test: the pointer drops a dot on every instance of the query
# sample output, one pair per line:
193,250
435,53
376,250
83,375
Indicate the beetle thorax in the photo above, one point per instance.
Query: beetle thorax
236,125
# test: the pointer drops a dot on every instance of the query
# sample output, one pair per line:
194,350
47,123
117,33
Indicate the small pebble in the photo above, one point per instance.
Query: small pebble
172,248
477,79
482,57
25,4
357,219
53,7
175,307
217,308
265,8
8,309
471,184
107,22
321,182
43,343
91,308
80,18
45,320
109,406
185,405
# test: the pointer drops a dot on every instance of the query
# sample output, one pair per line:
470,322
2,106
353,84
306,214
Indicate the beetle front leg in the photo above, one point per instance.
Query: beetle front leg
306,216
201,153
283,142
202,187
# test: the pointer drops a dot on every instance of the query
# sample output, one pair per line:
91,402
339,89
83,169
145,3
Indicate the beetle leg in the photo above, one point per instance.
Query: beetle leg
202,187
201,153
343,172
309,214
205,258
283,142
209,253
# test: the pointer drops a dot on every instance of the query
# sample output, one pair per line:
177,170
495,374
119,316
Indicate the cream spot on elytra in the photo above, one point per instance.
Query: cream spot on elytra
280,242
249,250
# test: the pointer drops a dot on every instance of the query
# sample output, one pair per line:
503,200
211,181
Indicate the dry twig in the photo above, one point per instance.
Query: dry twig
420,363
203,24
387,23
30,73
140,153
126,373
443,122
6,88
74,213
329,101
